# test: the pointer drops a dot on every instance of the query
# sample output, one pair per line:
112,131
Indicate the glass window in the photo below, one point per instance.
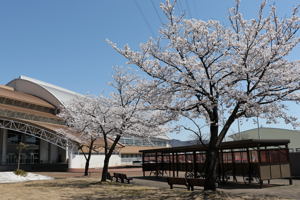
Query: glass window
128,141
14,138
138,142
31,140
29,155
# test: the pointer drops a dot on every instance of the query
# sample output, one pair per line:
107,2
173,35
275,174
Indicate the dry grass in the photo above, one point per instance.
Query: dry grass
91,189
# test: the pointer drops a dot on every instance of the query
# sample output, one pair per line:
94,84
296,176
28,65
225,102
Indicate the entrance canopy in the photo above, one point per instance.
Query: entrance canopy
44,131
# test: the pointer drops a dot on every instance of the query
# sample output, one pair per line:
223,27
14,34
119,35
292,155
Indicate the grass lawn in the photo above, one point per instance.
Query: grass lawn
90,189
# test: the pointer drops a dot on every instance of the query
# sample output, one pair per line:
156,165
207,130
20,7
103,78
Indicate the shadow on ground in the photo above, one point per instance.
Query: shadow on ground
91,189
162,182
151,178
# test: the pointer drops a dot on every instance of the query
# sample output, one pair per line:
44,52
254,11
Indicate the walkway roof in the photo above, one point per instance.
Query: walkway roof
225,145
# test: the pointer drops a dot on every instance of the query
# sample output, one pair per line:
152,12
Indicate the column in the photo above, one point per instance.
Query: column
70,160
49,152
67,153
4,145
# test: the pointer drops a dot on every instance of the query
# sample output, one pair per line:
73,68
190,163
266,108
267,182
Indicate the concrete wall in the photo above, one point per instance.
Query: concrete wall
3,144
78,161
44,151
53,153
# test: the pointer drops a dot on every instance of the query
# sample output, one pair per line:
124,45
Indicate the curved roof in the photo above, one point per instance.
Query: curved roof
19,107
53,94
8,93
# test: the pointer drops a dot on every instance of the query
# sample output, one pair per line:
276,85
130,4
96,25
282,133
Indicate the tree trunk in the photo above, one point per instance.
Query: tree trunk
87,163
19,158
108,155
211,168
105,167
212,154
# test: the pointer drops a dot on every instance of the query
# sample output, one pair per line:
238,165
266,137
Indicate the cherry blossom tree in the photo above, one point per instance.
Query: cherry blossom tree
77,115
206,70
130,114
123,113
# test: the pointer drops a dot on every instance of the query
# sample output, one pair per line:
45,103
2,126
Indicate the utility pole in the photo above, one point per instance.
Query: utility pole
258,128
239,130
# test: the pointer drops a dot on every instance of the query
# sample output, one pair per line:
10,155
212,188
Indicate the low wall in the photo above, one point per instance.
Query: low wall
295,164
96,162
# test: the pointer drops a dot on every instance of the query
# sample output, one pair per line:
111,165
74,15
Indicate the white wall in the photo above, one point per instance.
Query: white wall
78,161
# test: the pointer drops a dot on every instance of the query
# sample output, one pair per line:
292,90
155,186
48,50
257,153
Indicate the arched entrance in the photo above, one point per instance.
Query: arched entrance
45,148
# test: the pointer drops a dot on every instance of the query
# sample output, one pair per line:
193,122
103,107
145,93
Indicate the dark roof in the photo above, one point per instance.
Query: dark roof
179,143
225,145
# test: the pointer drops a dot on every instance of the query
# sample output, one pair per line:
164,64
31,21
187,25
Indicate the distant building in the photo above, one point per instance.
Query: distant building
130,154
28,109
271,133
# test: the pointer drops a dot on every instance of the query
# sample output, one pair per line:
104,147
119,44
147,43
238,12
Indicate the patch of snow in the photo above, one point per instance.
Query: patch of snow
10,177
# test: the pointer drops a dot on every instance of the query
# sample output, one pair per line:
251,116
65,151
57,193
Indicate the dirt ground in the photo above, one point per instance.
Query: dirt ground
75,186
90,189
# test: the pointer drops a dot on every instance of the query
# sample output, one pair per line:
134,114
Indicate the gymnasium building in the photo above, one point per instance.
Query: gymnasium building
28,109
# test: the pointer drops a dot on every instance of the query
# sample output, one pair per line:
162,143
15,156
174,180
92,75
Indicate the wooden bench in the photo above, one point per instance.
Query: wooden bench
188,182
195,182
177,181
122,177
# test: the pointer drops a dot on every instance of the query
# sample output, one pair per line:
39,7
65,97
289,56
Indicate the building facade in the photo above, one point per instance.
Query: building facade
271,133
28,109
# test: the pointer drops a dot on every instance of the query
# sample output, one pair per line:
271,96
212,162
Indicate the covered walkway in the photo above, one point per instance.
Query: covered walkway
253,160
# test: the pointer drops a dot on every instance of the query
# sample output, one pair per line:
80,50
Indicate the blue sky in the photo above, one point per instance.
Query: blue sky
63,42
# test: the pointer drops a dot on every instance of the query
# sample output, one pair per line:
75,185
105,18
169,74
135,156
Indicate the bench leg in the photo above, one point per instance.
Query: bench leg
261,182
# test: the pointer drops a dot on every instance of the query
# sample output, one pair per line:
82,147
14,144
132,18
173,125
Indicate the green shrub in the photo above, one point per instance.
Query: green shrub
20,172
